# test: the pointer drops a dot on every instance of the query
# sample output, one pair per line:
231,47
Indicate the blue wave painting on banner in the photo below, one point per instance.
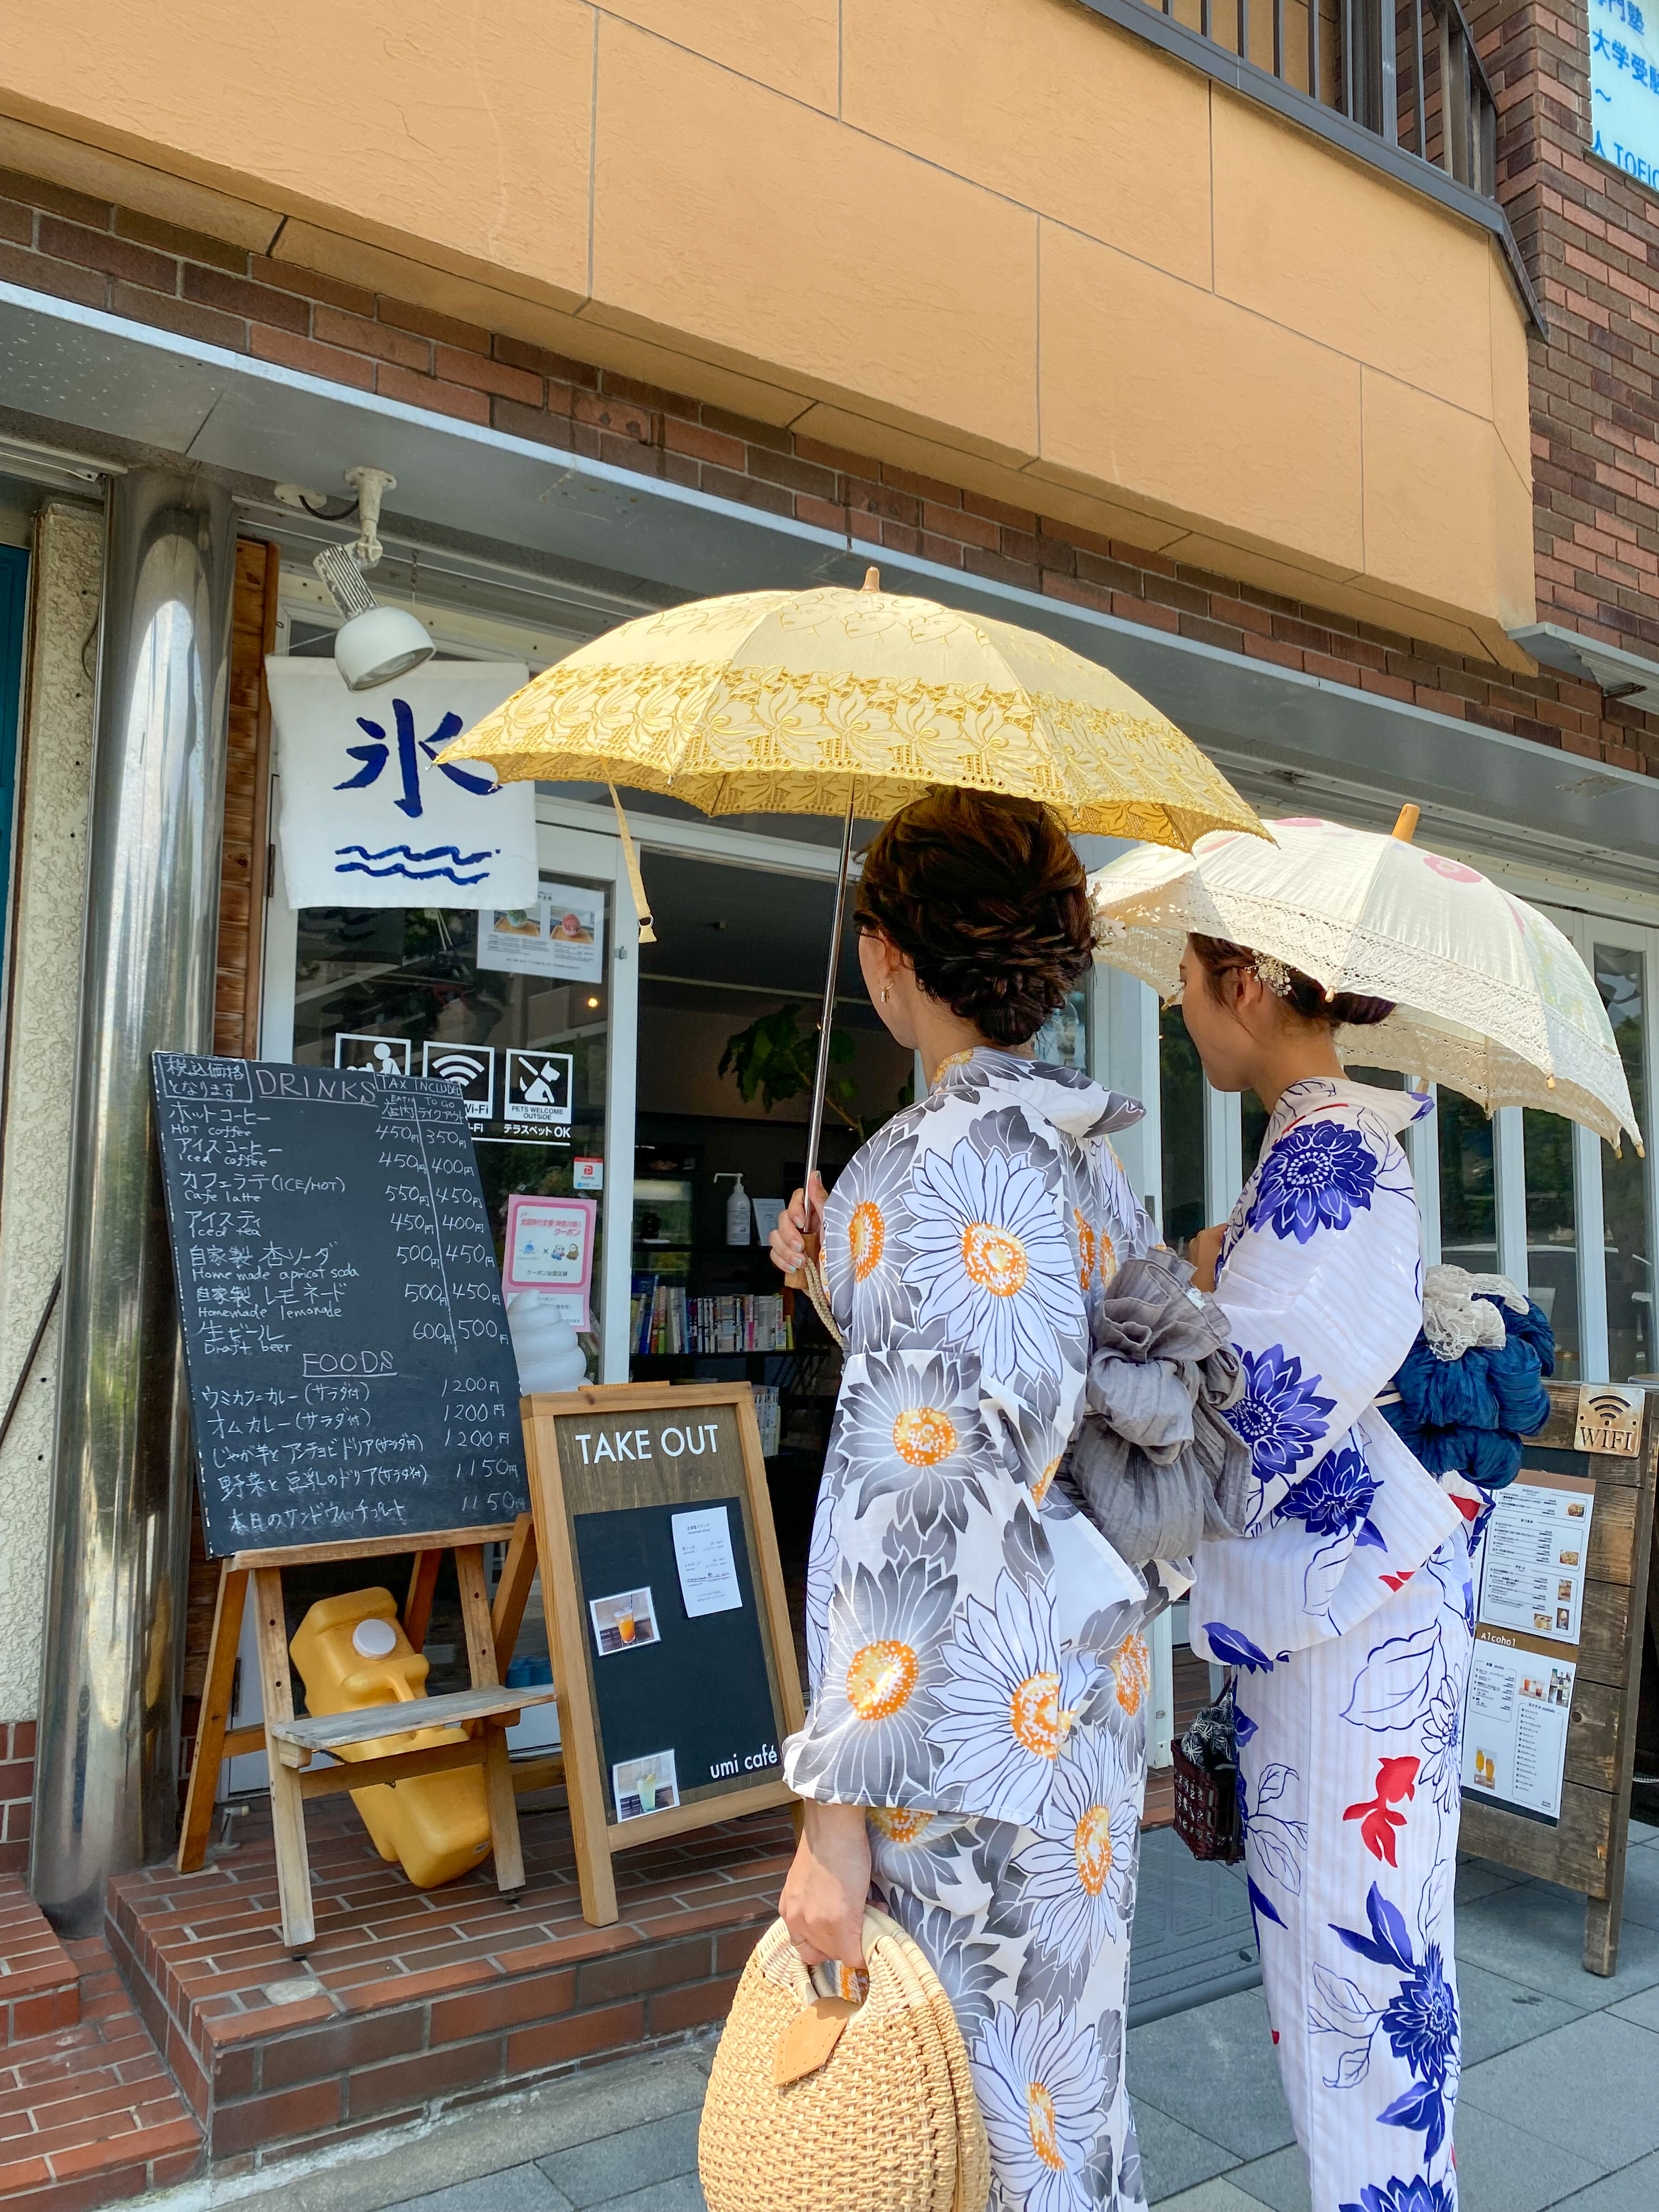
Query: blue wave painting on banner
370,816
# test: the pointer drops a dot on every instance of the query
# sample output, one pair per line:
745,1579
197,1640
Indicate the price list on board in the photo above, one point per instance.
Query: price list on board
350,1367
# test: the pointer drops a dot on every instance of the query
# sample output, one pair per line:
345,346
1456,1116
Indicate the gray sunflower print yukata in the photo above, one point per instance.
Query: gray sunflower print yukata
979,1665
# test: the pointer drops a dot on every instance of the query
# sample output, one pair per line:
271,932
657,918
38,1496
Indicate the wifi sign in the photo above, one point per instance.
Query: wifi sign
470,1067
1609,1419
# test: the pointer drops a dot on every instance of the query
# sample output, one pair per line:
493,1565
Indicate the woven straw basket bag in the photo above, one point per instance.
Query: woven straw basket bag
817,2104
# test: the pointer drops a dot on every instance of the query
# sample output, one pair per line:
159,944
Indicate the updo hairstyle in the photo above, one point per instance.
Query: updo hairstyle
1299,992
986,897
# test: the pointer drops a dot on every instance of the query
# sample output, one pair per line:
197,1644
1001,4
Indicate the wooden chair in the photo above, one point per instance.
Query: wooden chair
486,1710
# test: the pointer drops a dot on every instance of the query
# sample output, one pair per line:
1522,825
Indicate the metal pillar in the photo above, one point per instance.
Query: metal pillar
107,1760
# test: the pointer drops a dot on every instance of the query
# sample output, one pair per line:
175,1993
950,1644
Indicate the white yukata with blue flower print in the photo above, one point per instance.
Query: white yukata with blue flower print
979,1665
1346,1609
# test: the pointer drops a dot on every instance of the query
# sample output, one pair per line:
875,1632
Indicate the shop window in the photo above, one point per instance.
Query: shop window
1621,978
1468,1189
1181,1098
1553,1234
404,989
729,1015
1063,1040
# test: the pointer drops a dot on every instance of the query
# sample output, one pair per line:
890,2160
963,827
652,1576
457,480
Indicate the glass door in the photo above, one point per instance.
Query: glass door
530,1014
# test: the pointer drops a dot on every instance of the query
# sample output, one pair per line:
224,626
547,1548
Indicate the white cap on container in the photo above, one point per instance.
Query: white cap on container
375,1638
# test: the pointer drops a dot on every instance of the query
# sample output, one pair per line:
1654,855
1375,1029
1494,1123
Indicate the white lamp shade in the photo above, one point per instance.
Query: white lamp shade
377,648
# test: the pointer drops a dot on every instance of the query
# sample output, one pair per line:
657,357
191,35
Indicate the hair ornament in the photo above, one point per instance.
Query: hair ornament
1274,974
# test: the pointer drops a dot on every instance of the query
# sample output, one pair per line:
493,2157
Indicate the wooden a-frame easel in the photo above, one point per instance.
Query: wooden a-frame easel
486,1710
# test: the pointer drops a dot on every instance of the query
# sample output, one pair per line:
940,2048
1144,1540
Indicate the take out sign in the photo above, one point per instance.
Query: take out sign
673,1441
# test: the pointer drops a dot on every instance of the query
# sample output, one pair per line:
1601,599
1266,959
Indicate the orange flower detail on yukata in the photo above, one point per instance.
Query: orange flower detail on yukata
1008,1703
991,1260
880,1679
1086,1248
866,1239
1038,1722
1078,1871
877,1698
923,1435
1132,1671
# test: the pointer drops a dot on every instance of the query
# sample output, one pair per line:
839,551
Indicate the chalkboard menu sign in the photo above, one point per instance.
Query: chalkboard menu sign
350,1367
673,1654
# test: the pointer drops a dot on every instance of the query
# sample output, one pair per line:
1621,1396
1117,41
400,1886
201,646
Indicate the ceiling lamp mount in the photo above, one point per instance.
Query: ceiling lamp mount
374,645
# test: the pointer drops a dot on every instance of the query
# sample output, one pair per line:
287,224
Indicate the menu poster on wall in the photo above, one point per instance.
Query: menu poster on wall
563,935
1515,1723
1533,1556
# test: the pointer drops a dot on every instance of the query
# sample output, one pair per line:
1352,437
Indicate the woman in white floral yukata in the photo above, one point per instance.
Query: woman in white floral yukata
1346,1606
976,1738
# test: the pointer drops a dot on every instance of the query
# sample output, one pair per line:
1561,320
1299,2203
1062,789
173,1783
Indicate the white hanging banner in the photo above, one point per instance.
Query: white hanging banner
369,818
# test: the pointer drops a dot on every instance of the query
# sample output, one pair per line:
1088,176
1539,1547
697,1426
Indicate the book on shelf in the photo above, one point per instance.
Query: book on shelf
768,1417
663,1318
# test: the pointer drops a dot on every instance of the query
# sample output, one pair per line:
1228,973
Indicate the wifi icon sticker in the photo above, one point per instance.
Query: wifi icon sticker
470,1067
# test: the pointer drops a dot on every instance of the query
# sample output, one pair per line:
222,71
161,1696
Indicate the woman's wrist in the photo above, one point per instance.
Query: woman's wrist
829,1822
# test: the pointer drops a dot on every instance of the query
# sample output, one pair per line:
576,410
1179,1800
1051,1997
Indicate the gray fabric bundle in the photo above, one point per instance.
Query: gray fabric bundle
1153,1464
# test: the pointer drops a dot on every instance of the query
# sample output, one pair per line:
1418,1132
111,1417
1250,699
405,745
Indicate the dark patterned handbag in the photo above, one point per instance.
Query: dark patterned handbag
1207,1814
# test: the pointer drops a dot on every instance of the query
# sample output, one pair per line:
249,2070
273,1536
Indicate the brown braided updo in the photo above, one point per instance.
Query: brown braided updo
986,897
1299,993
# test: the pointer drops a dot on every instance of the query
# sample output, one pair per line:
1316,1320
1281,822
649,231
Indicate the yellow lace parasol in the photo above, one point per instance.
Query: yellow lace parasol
853,704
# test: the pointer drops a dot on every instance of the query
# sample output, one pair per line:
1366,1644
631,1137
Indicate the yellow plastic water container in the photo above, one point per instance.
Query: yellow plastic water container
351,1652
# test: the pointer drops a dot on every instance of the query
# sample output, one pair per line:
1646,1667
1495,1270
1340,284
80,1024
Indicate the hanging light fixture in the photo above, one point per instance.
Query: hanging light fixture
374,645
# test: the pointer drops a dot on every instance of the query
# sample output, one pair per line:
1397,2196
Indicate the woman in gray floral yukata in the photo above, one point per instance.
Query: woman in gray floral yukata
976,1738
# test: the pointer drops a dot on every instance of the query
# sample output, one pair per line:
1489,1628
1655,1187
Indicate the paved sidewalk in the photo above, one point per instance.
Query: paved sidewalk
1559,2106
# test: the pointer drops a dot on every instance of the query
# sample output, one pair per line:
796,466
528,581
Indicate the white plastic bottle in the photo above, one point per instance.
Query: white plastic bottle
740,1218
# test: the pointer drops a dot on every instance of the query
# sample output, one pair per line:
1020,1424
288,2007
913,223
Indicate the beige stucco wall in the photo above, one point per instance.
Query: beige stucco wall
50,886
999,241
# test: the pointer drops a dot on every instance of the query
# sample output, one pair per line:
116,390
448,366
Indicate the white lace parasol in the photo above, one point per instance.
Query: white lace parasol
1490,999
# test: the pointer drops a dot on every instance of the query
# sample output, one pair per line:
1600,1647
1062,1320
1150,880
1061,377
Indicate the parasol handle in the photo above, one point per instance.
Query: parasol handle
1406,828
821,1074
808,1277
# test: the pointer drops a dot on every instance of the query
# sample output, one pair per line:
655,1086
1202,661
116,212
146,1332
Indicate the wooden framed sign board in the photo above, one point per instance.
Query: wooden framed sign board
1562,1599
672,1649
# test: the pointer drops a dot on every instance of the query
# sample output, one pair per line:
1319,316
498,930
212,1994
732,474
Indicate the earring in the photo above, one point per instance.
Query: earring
886,994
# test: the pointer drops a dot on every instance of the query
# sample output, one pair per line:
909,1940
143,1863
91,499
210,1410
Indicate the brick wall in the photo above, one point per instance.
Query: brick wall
61,242
1591,237
16,1794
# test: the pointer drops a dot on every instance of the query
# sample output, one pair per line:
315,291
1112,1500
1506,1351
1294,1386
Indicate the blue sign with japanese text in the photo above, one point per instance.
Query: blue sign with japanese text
1624,38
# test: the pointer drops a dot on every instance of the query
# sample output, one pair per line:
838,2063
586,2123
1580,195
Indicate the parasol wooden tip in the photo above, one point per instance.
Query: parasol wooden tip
872,579
1406,828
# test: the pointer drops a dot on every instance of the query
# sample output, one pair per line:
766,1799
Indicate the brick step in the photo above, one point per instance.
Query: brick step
413,2000
39,1988
89,2113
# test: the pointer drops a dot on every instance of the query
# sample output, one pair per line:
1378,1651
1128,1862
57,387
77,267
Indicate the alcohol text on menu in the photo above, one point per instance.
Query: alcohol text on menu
349,1369
1514,1724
